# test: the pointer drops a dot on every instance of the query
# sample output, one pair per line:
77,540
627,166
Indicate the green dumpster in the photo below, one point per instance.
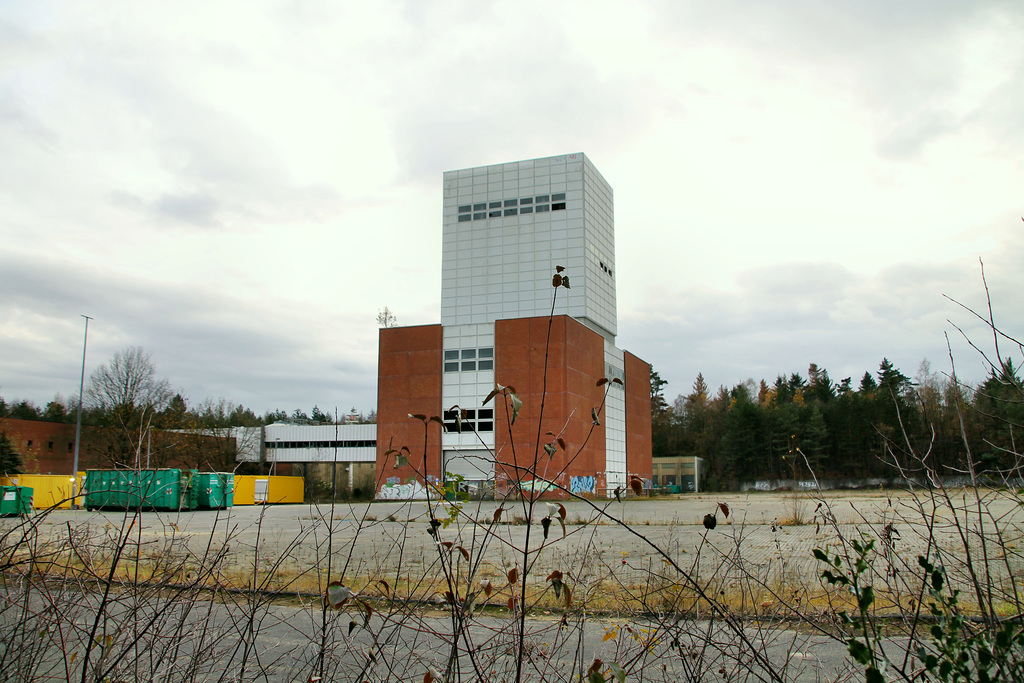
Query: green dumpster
163,489
229,488
214,490
15,500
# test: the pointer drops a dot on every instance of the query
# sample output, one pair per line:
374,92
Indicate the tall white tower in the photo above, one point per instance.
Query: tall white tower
507,226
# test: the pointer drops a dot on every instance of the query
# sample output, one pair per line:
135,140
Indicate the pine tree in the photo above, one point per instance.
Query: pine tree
10,461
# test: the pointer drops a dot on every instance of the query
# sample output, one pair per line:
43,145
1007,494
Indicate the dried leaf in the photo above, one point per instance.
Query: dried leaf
338,594
494,392
488,588
556,280
351,627
387,587
725,509
513,575
568,597
565,282
611,634
637,485
595,667
562,512
517,405
549,449
559,269
561,443
497,514
438,420
465,553
448,545
602,381
710,521
618,493
616,380
546,523
555,574
428,677
511,602
418,416
593,416
562,522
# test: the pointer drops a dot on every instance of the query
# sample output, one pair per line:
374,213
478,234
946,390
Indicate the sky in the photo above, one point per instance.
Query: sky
240,187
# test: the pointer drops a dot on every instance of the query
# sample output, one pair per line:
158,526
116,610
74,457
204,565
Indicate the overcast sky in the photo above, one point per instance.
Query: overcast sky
240,187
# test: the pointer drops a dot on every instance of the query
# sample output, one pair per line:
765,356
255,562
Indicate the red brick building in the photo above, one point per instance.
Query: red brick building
49,448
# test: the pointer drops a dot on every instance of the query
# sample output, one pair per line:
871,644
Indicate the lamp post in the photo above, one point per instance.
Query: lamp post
78,420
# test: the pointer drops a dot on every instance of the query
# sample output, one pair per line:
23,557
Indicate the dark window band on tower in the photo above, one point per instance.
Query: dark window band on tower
526,205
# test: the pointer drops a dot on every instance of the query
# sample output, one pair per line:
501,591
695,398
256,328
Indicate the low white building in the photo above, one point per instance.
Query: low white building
343,453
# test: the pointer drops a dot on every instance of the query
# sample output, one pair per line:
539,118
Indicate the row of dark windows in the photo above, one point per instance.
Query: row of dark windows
49,445
481,420
322,444
468,360
512,207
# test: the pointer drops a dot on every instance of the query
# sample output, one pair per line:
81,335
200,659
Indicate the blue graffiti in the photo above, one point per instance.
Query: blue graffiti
582,484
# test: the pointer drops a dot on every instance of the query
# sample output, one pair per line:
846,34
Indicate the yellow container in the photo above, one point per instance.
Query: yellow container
49,490
256,490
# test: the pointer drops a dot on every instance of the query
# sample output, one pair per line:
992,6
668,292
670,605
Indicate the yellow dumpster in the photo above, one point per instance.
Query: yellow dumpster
49,490
259,490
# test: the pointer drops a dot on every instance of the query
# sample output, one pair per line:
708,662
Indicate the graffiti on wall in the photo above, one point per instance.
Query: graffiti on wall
412,490
536,485
579,485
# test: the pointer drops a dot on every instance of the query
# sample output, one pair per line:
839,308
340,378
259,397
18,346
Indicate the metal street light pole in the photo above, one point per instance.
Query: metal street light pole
78,420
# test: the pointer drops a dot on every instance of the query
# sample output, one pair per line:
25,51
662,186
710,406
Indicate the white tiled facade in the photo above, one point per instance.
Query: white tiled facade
505,229
507,226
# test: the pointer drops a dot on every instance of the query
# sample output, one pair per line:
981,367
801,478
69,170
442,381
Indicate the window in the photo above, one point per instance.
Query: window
465,360
479,216
464,209
543,198
494,205
510,212
527,200
542,208
560,197
510,202
560,206
463,218
526,209
480,207
494,214
50,445
481,420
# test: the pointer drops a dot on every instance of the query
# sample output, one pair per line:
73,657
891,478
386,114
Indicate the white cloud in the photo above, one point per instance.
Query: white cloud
240,186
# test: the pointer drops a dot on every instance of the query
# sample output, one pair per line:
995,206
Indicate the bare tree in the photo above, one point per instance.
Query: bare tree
129,379
127,393
385,318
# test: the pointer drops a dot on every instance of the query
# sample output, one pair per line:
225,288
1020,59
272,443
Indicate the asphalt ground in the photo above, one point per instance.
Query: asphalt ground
617,557
770,536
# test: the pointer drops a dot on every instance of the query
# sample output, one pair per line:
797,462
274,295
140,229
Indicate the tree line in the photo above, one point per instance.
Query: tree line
132,402
786,428
128,391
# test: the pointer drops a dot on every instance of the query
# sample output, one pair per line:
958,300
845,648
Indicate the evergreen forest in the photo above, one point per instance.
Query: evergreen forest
878,426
